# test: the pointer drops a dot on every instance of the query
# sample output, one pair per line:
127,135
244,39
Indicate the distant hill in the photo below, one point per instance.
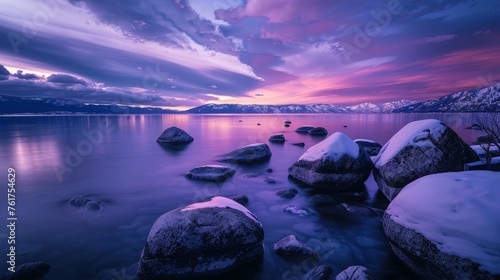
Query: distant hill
34,105
486,99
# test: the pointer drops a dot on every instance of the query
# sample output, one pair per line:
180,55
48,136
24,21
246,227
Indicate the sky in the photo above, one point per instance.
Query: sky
186,53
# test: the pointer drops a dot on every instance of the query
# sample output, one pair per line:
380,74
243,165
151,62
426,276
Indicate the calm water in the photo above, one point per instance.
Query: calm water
138,180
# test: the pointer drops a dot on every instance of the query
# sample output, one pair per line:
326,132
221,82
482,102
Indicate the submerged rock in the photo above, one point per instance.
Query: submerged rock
288,122
304,129
318,131
201,239
299,144
249,154
322,272
420,148
215,173
277,138
291,248
174,135
84,203
240,198
336,163
270,180
370,146
297,210
287,193
446,226
355,273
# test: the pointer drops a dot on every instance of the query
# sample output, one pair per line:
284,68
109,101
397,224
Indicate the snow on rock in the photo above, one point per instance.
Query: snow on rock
420,148
355,273
207,238
291,248
216,173
446,226
174,135
249,154
336,163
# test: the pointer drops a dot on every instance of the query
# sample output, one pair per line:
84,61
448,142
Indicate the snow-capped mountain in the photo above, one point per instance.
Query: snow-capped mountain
266,109
379,108
486,99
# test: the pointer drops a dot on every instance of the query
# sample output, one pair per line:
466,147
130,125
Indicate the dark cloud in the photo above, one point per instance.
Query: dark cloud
28,76
64,79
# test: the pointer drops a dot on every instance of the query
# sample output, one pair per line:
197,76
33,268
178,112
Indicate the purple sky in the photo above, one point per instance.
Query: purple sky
179,53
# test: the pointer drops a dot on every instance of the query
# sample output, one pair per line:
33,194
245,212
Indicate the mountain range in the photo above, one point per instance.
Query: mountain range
485,99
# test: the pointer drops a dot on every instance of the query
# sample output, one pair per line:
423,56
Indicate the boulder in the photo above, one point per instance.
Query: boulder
355,273
240,198
200,240
287,193
318,131
280,138
292,249
370,146
31,271
322,272
174,135
420,148
304,129
253,153
446,226
288,122
214,173
336,163
299,144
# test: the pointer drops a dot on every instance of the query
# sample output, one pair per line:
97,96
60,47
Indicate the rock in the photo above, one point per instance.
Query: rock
269,170
420,148
249,154
318,131
240,198
358,209
297,210
240,121
370,146
292,249
200,240
299,144
336,163
287,193
287,125
258,123
277,138
174,135
28,271
474,126
270,180
322,272
84,203
288,122
455,236
355,273
215,173
304,129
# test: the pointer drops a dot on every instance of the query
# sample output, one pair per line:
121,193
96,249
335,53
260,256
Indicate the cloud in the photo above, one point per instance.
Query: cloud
435,39
64,79
259,94
482,32
28,76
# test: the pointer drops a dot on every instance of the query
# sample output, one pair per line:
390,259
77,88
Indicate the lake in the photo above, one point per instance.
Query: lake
138,180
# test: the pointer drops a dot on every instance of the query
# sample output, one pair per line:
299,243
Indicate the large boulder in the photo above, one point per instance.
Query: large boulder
446,226
215,173
418,149
249,154
174,135
202,239
336,163
370,146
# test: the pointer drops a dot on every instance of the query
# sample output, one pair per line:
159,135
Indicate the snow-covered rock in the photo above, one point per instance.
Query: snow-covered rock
277,138
420,148
322,272
174,135
249,154
304,129
291,248
216,173
355,273
446,226
318,131
370,146
205,238
336,163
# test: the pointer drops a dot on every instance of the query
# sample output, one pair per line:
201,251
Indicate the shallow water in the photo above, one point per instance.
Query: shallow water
138,180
